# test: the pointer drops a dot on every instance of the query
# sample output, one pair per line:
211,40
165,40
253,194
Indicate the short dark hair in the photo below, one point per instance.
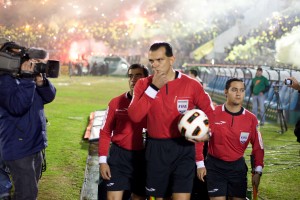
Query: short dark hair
229,81
194,72
259,69
139,66
167,46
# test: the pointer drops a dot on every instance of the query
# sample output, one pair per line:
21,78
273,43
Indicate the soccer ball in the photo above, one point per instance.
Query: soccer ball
193,124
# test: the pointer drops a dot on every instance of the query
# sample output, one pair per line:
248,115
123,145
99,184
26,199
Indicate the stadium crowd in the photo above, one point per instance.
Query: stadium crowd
131,36
257,46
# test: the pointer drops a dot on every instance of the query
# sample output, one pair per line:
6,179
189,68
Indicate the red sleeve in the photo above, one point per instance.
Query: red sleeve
204,102
106,131
140,103
257,147
199,151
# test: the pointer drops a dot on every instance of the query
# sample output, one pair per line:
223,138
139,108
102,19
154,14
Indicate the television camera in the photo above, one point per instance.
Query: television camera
12,56
276,88
280,115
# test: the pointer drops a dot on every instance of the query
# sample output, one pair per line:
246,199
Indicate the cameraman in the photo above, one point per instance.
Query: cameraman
23,127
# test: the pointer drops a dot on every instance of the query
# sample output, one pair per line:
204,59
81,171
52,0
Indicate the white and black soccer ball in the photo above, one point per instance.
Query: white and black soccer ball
193,124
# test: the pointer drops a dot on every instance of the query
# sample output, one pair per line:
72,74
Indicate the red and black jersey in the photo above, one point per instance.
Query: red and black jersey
118,127
232,133
164,107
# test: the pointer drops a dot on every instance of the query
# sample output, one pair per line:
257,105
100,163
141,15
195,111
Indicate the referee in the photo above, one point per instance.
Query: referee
122,167
162,98
234,128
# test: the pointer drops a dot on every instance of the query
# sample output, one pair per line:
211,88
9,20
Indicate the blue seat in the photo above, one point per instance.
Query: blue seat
248,83
269,96
210,86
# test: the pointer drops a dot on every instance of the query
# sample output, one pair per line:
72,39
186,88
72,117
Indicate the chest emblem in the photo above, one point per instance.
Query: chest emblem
244,137
182,105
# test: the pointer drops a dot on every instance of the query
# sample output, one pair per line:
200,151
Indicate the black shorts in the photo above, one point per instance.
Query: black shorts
226,178
170,166
128,170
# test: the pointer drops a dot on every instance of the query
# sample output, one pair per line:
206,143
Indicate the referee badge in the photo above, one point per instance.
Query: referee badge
182,105
244,137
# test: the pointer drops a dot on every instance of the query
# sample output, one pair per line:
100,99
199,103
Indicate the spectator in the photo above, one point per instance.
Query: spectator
194,74
234,128
259,86
70,68
163,97
23,127
106,68
124,169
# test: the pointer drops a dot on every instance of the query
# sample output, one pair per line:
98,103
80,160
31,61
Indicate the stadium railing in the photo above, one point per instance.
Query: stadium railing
215,77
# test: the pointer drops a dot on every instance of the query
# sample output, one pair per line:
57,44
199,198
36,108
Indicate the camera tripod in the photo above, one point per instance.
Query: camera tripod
280,115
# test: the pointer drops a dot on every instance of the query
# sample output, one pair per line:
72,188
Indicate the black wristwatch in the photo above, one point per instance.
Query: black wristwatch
260,173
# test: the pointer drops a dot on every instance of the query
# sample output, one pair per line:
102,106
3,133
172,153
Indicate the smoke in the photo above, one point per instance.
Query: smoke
144,20
288,48
79,49
162,12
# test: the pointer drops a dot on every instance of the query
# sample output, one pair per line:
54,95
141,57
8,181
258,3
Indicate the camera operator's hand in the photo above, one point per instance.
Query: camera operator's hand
295,84
39,80
27,67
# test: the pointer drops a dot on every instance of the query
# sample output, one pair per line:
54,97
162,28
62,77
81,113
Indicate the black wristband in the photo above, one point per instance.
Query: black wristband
154,87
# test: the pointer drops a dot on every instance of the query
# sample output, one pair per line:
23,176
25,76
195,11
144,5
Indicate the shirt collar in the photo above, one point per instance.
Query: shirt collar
231,113
128,95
